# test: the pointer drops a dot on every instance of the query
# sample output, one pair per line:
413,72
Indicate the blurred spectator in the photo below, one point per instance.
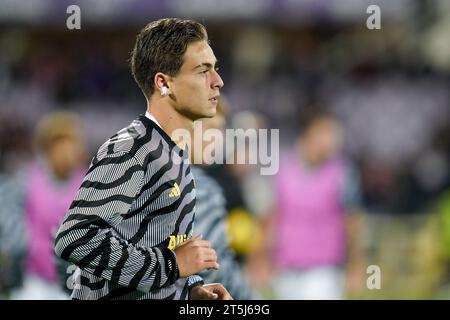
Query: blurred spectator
39,197
246,191
211,214
315,189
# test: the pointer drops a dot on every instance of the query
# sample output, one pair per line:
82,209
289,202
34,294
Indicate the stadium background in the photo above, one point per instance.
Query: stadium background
389,87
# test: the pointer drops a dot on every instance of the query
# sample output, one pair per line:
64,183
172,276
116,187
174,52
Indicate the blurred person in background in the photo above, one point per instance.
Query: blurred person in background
15,151
34,203
12,233
246,192
211,213
313,229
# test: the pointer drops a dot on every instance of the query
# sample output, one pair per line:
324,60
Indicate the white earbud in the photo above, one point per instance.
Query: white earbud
165,91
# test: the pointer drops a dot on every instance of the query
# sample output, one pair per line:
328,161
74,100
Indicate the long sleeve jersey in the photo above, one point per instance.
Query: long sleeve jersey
135,204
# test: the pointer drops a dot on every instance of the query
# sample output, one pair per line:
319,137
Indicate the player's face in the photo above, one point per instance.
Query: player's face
65,154
326,135
195,89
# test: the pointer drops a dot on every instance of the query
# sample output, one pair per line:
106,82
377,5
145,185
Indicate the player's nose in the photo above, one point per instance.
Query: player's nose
217,81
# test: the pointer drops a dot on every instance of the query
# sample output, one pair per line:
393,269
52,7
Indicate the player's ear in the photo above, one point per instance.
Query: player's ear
161,82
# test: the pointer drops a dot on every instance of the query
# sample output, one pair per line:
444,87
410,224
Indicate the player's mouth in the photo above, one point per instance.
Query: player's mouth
215,99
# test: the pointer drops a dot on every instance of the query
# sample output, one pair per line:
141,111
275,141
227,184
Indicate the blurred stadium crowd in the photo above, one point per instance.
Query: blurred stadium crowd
387,89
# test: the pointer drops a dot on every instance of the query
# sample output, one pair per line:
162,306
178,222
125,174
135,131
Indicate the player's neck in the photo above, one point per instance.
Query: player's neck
169,119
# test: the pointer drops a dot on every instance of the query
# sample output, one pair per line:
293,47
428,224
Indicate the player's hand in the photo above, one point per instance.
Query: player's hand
194,256
212,291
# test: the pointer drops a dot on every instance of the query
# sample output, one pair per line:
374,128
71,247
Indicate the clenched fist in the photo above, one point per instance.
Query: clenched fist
213,291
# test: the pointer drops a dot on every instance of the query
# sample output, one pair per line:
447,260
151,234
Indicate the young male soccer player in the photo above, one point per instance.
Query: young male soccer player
126,228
